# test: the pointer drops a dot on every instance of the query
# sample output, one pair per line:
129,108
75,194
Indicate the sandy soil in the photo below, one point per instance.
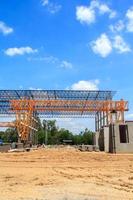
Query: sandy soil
65,174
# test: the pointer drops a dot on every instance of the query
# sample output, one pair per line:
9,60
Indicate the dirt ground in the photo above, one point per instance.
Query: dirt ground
65,174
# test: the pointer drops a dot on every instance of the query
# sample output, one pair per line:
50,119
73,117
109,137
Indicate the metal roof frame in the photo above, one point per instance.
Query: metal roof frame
7,95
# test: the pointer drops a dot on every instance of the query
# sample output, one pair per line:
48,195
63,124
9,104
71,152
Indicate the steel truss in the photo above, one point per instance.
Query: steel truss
26,105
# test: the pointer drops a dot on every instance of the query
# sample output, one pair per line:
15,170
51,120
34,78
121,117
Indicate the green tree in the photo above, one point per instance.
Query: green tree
78,139
64,135
40,132
50,131
10,135
88,137
54,134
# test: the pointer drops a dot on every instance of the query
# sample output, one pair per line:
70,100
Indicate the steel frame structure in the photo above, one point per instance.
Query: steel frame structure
25,105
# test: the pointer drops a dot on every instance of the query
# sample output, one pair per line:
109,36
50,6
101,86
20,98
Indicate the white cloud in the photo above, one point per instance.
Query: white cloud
45,2
47,59
51,7
32,88
119,26
50,59
66,65
102,46
85,85
112,14
85,14
120,44
103,9
129,16
124,24
54,8
94,4
5,29
19,51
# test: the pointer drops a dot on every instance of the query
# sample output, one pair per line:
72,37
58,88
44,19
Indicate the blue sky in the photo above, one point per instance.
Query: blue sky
59,44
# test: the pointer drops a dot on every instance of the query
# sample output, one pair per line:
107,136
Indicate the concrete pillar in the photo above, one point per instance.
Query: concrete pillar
107,120
103,119
97,139
96,122
106,139
100,119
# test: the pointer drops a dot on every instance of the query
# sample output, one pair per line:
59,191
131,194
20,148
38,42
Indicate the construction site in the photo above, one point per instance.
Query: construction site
66,172
66,100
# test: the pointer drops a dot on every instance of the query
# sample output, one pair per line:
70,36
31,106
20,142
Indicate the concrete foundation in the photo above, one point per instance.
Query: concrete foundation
5,148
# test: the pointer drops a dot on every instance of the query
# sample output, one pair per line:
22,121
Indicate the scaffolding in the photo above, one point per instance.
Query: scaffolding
27,105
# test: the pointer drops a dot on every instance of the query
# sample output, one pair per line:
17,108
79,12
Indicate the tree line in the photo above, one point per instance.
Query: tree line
48,132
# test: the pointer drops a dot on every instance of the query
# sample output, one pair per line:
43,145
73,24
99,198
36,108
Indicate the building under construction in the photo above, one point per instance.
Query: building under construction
113,134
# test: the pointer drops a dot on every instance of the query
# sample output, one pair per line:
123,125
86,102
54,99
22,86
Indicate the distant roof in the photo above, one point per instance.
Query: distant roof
7,95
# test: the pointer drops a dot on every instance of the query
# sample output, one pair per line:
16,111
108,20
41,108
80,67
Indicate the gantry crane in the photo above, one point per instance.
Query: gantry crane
80,103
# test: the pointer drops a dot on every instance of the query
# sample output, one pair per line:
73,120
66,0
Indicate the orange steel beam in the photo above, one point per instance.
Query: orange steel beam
7,124
68,105
24,110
